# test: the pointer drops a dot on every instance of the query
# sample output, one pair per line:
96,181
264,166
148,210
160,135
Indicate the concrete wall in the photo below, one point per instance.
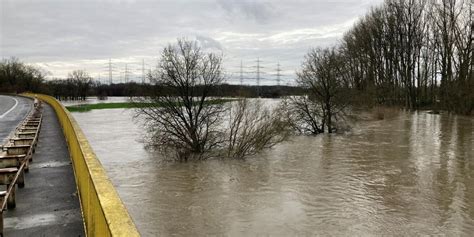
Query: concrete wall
103,212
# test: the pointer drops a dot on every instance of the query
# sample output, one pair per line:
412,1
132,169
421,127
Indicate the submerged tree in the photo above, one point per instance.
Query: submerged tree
253,127
304,114
182,118
322,75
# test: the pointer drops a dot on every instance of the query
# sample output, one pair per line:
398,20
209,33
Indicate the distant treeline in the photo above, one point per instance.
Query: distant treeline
139,89
17,77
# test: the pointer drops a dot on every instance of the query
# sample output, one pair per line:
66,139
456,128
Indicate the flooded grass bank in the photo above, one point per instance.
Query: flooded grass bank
124,105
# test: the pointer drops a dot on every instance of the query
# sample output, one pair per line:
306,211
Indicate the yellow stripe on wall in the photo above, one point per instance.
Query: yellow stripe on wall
103,211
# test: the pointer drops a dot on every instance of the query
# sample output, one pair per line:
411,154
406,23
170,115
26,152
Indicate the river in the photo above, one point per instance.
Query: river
405,176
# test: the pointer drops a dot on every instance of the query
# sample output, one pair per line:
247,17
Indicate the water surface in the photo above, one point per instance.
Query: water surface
406,176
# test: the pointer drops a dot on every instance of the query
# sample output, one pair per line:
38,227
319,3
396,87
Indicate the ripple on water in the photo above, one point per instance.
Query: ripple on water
408,176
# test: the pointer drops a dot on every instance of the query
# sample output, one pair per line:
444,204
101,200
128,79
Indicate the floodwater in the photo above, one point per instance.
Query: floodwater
406,176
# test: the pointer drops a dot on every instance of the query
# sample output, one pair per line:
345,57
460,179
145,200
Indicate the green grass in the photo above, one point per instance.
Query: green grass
119,105
123,105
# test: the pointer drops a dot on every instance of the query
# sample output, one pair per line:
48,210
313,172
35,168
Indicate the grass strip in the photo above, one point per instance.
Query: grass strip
125,105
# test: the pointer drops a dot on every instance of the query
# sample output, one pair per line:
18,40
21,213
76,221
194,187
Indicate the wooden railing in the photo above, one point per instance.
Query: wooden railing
15,156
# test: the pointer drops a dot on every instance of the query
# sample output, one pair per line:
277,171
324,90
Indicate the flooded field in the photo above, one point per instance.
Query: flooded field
406,176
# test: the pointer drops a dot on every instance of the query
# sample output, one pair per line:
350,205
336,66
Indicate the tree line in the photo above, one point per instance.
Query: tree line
18,77
404,53
413,53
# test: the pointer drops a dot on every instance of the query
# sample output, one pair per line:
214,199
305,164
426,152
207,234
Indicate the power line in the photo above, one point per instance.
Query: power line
258,72
241,73
143,71
110,71
126,74
278,74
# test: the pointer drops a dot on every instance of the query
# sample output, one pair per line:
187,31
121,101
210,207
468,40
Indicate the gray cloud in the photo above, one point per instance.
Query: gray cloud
208,43
258,11
64,35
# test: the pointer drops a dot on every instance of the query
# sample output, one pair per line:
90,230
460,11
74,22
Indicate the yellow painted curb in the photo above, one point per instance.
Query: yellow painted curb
102,209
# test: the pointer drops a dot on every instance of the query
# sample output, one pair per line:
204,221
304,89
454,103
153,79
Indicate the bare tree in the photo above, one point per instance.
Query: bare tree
253,127
82,82
413,54
16,76
453,19
322,75
183,117
304,114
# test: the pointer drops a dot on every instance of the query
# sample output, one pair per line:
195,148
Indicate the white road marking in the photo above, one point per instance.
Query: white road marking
12,108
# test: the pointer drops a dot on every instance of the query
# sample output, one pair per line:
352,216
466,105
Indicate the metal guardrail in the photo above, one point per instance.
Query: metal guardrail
103,211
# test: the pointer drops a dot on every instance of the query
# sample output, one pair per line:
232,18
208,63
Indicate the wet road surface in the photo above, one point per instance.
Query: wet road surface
48,205
13,110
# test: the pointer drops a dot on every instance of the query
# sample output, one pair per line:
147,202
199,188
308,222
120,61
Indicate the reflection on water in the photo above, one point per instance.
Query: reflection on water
408,176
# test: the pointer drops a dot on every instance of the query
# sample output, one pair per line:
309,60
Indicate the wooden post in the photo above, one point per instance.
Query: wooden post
11,198
21,179
1,222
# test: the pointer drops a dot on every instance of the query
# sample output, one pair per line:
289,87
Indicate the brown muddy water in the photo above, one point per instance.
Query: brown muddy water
406,176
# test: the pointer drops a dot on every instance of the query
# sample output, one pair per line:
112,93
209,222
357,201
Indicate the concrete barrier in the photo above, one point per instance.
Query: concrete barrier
103,212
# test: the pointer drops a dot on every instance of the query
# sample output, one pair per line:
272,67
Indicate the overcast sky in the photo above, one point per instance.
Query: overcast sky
66,35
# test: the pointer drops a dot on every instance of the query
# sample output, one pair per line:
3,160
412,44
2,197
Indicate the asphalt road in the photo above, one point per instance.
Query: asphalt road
13,110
